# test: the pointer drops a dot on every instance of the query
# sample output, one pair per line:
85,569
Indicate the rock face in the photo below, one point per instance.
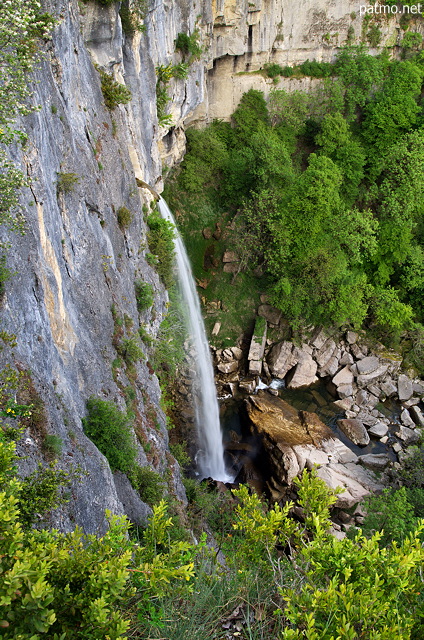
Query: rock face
295,439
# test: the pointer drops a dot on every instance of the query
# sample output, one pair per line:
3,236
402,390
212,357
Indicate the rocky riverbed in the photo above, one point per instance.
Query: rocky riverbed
374,409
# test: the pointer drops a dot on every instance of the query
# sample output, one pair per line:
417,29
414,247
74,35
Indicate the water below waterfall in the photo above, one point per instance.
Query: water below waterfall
210,459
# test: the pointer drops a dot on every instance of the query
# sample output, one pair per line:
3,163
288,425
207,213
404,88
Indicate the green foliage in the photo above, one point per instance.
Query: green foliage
273,70
124,217
179,451
148,484
114,93
66,182
43,572
316,69
129,349
143,295
391,514
132,17
169,350
261,528
189,45
53,445
40,492
111,432
161,242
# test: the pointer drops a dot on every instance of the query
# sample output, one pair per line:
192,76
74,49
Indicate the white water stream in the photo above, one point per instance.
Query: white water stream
210,459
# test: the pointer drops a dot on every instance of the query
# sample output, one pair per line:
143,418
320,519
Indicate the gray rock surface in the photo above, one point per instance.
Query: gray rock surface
405,389
354,430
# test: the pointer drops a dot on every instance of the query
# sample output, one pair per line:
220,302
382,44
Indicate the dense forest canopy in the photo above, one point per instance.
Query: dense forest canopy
326,190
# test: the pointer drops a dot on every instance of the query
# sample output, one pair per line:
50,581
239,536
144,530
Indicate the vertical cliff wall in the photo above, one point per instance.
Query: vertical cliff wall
75,262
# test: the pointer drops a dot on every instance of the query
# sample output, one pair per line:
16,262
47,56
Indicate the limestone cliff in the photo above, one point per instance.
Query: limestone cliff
74,261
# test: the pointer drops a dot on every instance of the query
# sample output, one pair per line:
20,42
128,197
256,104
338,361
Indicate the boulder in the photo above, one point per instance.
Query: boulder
343,377
281,359
257,344
378,430
305,371
367,365
237,353
230,256
408,436
345,391
356,351
406,419
354,430
346,359
351,337
216,328
417,415
375,461
363,380
325,353
345,403
353,491
318,339
271,314
331,367
388,388
255,367
279,422
231,267
405,388
227,367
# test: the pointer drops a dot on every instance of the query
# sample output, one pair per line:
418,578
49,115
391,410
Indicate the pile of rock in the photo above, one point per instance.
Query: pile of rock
357,378
293,440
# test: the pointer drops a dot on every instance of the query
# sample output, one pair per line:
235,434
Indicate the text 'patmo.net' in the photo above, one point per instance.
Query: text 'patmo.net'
367,9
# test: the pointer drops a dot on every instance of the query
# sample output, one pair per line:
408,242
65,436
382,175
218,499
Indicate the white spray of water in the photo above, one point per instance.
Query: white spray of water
210,459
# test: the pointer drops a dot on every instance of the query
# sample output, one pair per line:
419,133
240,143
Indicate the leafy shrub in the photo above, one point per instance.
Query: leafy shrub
179,451
114,93
148,484
161,242
145,336
143,295
53,445
41,492
132,17
66,182
124,217
111,432
273,70
287,72
374,35
129,349
316,69
188,45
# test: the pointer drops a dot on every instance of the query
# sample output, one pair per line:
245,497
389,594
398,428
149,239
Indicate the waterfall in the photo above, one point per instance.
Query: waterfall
210,459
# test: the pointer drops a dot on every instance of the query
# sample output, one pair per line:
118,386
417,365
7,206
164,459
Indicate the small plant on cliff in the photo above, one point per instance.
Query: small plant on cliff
114,93
143,295
132,17
161,242
66,182
110,430
189,45
148,484
124,217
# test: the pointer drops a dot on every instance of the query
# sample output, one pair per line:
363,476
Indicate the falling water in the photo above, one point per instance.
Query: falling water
210,459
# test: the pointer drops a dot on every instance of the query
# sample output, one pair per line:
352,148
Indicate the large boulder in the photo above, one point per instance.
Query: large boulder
354,430
305,371
271,314
405,388
281,359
